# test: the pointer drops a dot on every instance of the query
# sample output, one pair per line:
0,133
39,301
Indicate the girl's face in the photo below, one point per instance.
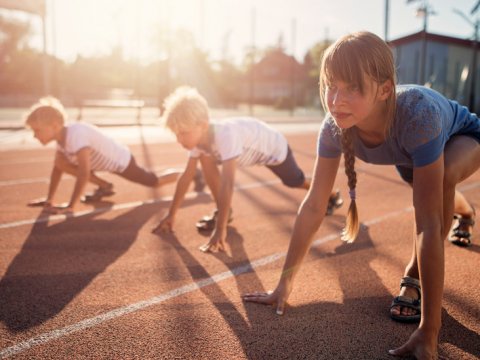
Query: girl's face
191,138
348,105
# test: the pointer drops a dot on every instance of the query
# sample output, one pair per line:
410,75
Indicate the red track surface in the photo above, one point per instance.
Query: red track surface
101,286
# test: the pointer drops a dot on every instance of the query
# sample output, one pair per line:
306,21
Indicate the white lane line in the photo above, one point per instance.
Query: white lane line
66,176
121,311
190,195
48,218
24,181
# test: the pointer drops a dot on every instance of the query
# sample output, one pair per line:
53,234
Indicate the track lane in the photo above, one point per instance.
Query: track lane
100,262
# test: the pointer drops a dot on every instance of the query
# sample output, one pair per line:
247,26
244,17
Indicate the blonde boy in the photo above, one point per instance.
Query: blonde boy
233,142
81,150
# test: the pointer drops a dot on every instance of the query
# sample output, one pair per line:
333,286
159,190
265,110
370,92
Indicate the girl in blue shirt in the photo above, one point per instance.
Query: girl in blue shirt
433,142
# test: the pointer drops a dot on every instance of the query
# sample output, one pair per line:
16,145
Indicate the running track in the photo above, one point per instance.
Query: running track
100,286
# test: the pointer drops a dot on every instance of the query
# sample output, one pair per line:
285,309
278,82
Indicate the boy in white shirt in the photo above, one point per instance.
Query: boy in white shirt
81,150
231,143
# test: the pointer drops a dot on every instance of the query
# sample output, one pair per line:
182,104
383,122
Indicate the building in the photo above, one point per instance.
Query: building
446,67
277,79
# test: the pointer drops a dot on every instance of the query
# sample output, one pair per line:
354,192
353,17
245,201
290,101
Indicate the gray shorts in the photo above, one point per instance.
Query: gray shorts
406,173
139,175
288,171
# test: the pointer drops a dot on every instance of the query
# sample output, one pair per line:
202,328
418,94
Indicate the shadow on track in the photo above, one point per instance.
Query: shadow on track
357,327
58,261
364,314
321,330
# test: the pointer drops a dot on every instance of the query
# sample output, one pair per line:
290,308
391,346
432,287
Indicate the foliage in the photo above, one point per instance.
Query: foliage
180,62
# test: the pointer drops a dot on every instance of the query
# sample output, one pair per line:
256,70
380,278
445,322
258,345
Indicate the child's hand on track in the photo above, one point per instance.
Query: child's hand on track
216,242
60,209
42,202
277,298
165,226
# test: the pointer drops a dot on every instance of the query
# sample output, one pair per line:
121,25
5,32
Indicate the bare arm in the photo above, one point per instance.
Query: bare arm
83,175
309,218
224,201
181,189
55,177
183,184
310,215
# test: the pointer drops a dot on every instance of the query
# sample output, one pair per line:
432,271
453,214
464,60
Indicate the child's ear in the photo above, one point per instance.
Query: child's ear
385,90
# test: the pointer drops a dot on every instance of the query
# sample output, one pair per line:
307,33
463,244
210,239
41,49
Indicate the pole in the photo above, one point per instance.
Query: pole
294,99
252,66
387,11
46,65
473,82
423,59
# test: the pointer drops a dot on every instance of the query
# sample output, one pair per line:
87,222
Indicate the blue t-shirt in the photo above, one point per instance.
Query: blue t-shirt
424,121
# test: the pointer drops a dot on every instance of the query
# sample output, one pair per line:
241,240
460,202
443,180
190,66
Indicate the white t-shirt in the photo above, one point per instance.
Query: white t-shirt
105,153
250,141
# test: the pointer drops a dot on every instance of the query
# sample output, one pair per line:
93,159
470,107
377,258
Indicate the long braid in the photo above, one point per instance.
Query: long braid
351,229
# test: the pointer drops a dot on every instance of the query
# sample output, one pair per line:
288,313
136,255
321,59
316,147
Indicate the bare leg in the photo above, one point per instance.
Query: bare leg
168,176
458,167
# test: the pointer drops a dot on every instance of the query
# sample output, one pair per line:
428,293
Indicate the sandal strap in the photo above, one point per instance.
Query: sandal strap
406,301
461,233
411,282
466,221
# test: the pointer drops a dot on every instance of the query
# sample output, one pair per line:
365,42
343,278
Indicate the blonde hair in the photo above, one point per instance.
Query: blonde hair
352,59
185,108
47,111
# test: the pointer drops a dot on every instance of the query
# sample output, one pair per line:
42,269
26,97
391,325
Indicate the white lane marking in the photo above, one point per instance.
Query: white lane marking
48,218
121,311
25,181
66,176
190,195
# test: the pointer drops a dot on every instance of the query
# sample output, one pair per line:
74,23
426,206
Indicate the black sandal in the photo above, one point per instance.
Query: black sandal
334,202
461,237
207,223
98,194
406,301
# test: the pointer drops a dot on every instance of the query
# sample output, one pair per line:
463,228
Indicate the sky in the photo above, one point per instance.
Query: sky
229,27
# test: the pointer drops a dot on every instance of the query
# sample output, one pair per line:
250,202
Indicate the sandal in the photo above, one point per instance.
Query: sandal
459,235
334,202
406,301
98,194
207,223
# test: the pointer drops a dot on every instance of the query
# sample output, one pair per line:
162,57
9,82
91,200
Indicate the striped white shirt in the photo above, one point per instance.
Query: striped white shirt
249,140
105,153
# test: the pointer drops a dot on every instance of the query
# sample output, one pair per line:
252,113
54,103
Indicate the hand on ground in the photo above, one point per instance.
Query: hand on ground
216,243
60,209
165,226
277,298
42,202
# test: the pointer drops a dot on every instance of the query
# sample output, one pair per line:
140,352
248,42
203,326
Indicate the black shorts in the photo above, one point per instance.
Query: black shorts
288,171
139,175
